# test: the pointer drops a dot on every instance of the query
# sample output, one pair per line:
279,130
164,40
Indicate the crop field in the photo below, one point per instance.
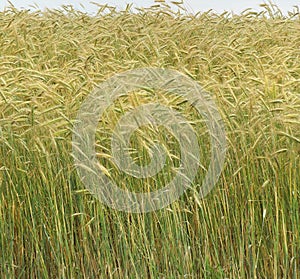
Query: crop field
52,226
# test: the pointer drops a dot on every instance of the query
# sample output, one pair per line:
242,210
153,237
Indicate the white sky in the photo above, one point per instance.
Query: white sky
191,5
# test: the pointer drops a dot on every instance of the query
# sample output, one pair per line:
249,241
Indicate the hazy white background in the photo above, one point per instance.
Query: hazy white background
191,5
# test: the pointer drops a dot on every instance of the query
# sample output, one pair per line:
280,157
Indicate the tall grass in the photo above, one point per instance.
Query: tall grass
52,227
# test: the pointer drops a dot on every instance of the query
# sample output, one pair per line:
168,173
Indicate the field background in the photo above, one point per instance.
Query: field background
52,227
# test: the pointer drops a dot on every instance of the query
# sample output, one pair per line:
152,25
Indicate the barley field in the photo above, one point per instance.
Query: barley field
51,226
